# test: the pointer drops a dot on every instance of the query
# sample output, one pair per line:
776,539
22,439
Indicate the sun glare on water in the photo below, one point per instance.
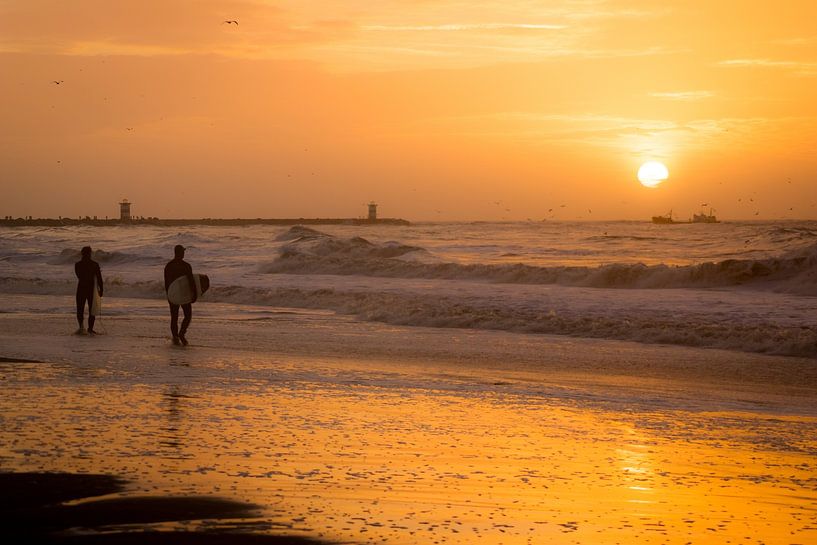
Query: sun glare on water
652,173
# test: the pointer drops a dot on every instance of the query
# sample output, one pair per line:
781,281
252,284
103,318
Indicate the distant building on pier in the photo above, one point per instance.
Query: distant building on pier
372,211
124,210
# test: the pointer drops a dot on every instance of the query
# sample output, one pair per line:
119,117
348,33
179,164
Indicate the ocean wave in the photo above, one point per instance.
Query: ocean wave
72,255
639,238
300,232
750,333
310,243
319,253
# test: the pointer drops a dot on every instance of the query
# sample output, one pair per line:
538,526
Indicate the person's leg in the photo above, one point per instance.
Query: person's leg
80,309
174,321
188,315
91,319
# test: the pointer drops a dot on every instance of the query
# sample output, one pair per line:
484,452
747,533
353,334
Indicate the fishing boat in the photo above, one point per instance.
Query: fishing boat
664,220
705,218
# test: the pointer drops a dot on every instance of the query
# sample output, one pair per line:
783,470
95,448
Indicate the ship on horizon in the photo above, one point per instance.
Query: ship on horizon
703,217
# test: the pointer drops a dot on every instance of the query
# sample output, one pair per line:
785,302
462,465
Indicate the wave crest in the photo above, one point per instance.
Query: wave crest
324,254
72,255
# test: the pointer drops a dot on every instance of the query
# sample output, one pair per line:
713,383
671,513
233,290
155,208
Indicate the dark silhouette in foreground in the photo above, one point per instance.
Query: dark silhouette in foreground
32,510
90,277
177,268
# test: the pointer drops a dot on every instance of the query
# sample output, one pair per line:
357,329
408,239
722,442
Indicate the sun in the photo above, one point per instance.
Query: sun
652,173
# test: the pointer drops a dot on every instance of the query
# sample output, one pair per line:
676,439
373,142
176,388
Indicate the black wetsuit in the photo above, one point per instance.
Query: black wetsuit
173,270
87,271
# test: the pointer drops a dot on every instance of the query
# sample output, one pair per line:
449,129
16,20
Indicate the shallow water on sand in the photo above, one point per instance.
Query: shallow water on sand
347,438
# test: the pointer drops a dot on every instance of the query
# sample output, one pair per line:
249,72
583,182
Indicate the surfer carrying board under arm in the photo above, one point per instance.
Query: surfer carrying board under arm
175,269
89,289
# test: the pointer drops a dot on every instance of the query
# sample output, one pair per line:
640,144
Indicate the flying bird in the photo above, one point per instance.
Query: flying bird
230,22
57,82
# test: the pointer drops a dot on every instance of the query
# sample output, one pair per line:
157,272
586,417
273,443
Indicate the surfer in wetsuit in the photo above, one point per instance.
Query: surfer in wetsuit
177,268
88,273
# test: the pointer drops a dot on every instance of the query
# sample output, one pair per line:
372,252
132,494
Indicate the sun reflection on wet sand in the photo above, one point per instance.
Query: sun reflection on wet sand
363,463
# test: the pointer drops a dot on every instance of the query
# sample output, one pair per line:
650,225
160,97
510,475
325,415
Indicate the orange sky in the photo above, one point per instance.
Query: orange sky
435,109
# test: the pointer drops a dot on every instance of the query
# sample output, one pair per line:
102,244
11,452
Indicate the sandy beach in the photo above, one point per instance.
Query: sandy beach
362,432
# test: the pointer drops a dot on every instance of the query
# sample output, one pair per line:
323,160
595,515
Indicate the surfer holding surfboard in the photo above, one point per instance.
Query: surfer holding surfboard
89,289
182,288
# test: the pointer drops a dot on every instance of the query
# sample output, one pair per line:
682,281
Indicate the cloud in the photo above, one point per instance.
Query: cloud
157,27
462,26
797,67
799,41
682,95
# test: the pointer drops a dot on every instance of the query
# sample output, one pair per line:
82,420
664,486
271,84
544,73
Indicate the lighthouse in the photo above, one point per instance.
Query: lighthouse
372,211
124,210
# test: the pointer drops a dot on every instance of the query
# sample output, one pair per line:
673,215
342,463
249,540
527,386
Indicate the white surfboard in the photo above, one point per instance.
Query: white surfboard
96,301
180,293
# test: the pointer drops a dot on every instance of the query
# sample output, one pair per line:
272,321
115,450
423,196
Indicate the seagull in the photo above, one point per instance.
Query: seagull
129,128
230,22
57,82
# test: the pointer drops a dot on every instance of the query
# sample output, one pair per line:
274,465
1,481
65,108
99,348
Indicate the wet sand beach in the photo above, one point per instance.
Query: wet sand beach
362,432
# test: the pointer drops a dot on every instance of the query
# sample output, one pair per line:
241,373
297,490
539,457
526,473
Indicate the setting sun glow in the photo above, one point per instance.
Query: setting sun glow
652,173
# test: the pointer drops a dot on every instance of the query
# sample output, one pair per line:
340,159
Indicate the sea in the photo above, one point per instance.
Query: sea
741,286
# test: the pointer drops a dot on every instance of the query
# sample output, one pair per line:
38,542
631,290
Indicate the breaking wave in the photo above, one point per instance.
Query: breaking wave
72,255
312,252
439,311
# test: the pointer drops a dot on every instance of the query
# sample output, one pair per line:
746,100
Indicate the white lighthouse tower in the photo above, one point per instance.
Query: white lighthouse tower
124,210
